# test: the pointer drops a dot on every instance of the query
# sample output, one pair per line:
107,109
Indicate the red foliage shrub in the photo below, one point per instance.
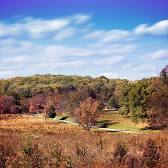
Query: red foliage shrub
6,103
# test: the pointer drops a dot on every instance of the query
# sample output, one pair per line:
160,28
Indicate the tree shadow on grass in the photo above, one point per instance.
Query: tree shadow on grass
105,123
64,118
153,128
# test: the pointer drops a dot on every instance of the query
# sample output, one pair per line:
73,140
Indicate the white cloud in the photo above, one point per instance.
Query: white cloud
6,69
116,49
159,28
70,44
144,68
134,72
108,36
15,60
81,18
157,55
40,28
9,30
110,61
64,34
60,51
128,65
94,34
115,35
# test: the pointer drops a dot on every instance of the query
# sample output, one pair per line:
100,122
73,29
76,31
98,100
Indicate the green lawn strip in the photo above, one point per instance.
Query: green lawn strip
125,127
114,120
65,117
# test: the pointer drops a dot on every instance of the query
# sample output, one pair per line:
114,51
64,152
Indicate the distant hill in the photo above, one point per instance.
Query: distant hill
32,85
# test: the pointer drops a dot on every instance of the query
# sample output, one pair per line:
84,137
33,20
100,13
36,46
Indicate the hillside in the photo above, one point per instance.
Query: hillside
28,86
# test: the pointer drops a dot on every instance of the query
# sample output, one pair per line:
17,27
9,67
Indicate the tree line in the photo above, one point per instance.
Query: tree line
84,97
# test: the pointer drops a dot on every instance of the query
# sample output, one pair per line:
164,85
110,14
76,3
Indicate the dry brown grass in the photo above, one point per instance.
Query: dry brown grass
79,147
28,123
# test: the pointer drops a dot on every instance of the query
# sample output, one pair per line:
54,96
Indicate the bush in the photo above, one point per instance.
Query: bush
138,114
5,153
151,155
34,156
113,103
59,160
50,110
120,153
51,114
132,162
124,111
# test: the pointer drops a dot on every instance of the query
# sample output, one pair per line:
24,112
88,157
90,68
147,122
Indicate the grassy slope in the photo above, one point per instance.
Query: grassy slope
117,121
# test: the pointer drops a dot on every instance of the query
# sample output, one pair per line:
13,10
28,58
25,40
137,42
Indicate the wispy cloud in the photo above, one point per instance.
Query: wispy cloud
108,36
74,45
159,28
157,55
110,61
40,28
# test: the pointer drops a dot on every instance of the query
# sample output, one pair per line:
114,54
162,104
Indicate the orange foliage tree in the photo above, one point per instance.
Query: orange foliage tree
53,105
87,112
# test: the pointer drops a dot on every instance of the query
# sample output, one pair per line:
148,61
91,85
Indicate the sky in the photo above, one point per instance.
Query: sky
115,38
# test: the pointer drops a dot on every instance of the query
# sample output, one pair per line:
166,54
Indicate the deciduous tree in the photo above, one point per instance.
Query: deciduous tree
87,112
6,103
164,75
158,105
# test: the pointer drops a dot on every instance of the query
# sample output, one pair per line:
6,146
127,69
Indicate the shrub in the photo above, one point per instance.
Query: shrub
132,162
113,103
151,155
81,151
31,157
51,112
60,160
120,153
124,111
5,153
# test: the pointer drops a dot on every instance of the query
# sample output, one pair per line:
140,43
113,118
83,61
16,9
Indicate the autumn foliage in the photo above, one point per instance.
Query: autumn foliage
7,104
158,105
37,103
87,112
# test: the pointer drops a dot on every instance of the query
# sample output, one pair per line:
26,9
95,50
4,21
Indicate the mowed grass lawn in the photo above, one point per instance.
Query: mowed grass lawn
114,120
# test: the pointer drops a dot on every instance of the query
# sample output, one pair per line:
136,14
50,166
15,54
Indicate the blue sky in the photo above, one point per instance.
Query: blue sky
115,38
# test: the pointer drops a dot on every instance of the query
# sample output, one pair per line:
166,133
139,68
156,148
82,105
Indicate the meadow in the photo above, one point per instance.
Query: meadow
29,141
63,122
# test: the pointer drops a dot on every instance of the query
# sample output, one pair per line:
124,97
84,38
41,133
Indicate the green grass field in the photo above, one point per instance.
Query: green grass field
114,120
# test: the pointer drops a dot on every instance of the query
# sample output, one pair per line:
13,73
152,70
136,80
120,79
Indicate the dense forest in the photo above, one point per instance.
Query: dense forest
145,99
